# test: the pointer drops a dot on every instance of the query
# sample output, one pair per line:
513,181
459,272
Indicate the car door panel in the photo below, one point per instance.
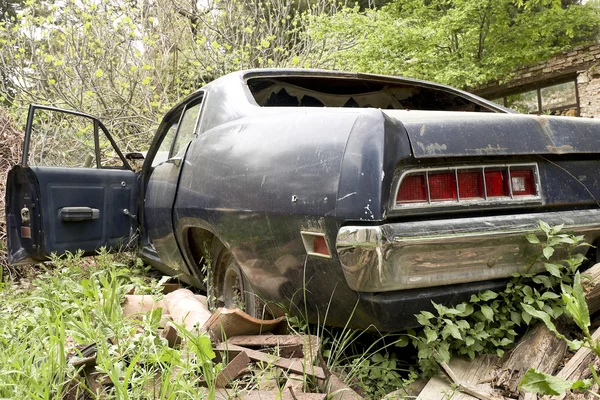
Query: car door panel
59,209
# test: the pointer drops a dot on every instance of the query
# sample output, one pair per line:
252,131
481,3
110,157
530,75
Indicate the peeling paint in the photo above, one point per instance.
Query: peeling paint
560,149
433,148
489,149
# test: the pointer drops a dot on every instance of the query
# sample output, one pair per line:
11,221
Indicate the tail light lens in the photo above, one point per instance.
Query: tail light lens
412,189
442,186
522,182
496,183
470,184
475,184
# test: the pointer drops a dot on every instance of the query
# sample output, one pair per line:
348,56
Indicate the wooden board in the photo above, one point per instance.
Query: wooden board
477,372
297,367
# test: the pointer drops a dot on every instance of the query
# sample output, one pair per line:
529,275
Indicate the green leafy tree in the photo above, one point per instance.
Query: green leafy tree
458,42
129,62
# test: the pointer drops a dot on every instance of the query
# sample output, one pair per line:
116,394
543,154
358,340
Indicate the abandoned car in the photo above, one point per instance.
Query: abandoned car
340,196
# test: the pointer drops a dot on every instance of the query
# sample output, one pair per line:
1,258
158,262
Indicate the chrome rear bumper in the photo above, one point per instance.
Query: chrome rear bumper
434,253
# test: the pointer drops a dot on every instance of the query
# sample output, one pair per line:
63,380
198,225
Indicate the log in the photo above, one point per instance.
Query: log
187,310
578,365
539,349
591,286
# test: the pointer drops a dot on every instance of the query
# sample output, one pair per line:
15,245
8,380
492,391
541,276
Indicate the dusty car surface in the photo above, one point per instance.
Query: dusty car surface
336,195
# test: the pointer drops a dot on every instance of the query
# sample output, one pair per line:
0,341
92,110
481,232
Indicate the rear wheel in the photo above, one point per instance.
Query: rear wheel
230,288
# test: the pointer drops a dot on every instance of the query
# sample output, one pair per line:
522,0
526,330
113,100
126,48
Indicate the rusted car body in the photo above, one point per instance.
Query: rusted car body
339,196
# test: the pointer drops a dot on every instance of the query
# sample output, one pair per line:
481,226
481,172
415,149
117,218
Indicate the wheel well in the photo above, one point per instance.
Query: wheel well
199,245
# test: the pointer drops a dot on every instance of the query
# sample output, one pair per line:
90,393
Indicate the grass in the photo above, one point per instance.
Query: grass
49,316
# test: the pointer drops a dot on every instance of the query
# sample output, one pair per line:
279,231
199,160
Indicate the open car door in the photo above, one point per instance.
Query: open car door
73,190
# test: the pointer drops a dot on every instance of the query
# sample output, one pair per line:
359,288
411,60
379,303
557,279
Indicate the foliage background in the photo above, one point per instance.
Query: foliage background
129,61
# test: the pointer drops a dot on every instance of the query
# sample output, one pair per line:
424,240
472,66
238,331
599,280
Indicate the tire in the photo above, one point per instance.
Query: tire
228,286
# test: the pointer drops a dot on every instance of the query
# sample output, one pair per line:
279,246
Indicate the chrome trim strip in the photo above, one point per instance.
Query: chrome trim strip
433,253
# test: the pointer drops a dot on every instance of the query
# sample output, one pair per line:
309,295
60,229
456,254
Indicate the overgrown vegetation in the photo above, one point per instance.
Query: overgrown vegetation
130,62
491,321
78,303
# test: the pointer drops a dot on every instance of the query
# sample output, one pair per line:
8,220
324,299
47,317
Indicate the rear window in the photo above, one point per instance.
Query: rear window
358,93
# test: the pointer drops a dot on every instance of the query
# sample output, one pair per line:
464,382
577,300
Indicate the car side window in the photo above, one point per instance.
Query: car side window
187,128
162,154
61,139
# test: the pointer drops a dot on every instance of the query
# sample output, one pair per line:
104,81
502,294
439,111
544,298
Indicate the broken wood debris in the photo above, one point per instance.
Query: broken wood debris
238,338
539,348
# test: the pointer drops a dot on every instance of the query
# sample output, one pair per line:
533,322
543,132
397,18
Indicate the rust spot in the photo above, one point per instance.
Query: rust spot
560,149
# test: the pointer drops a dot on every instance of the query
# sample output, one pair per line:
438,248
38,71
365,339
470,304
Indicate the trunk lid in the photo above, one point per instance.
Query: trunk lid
451,134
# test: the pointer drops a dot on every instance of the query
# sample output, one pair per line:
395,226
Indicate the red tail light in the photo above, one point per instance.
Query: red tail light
470,184
474,184
496,183
320,247
522,182
412,189
315,244
442,186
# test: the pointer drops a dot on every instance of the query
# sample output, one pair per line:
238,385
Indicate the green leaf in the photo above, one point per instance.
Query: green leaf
538,382
545,227
576,305
430,334
548,251
549,295
423,320
532,238
99,73
488,295
487,312
553,269
451,330
403,341
515,317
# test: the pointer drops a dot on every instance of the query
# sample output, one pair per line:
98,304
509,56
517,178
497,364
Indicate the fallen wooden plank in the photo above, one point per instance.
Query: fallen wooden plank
226,323
232,370
294,384
287,346
337,389
476,373
539,349
267,395
591,287
578,365
298,367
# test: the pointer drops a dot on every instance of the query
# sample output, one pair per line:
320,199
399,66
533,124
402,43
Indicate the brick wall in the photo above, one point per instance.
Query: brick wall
581,62
588,85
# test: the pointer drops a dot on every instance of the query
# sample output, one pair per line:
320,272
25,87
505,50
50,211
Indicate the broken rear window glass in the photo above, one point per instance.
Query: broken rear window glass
362,93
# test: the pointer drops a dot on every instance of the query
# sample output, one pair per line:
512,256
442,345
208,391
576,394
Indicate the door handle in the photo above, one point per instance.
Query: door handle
78,214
